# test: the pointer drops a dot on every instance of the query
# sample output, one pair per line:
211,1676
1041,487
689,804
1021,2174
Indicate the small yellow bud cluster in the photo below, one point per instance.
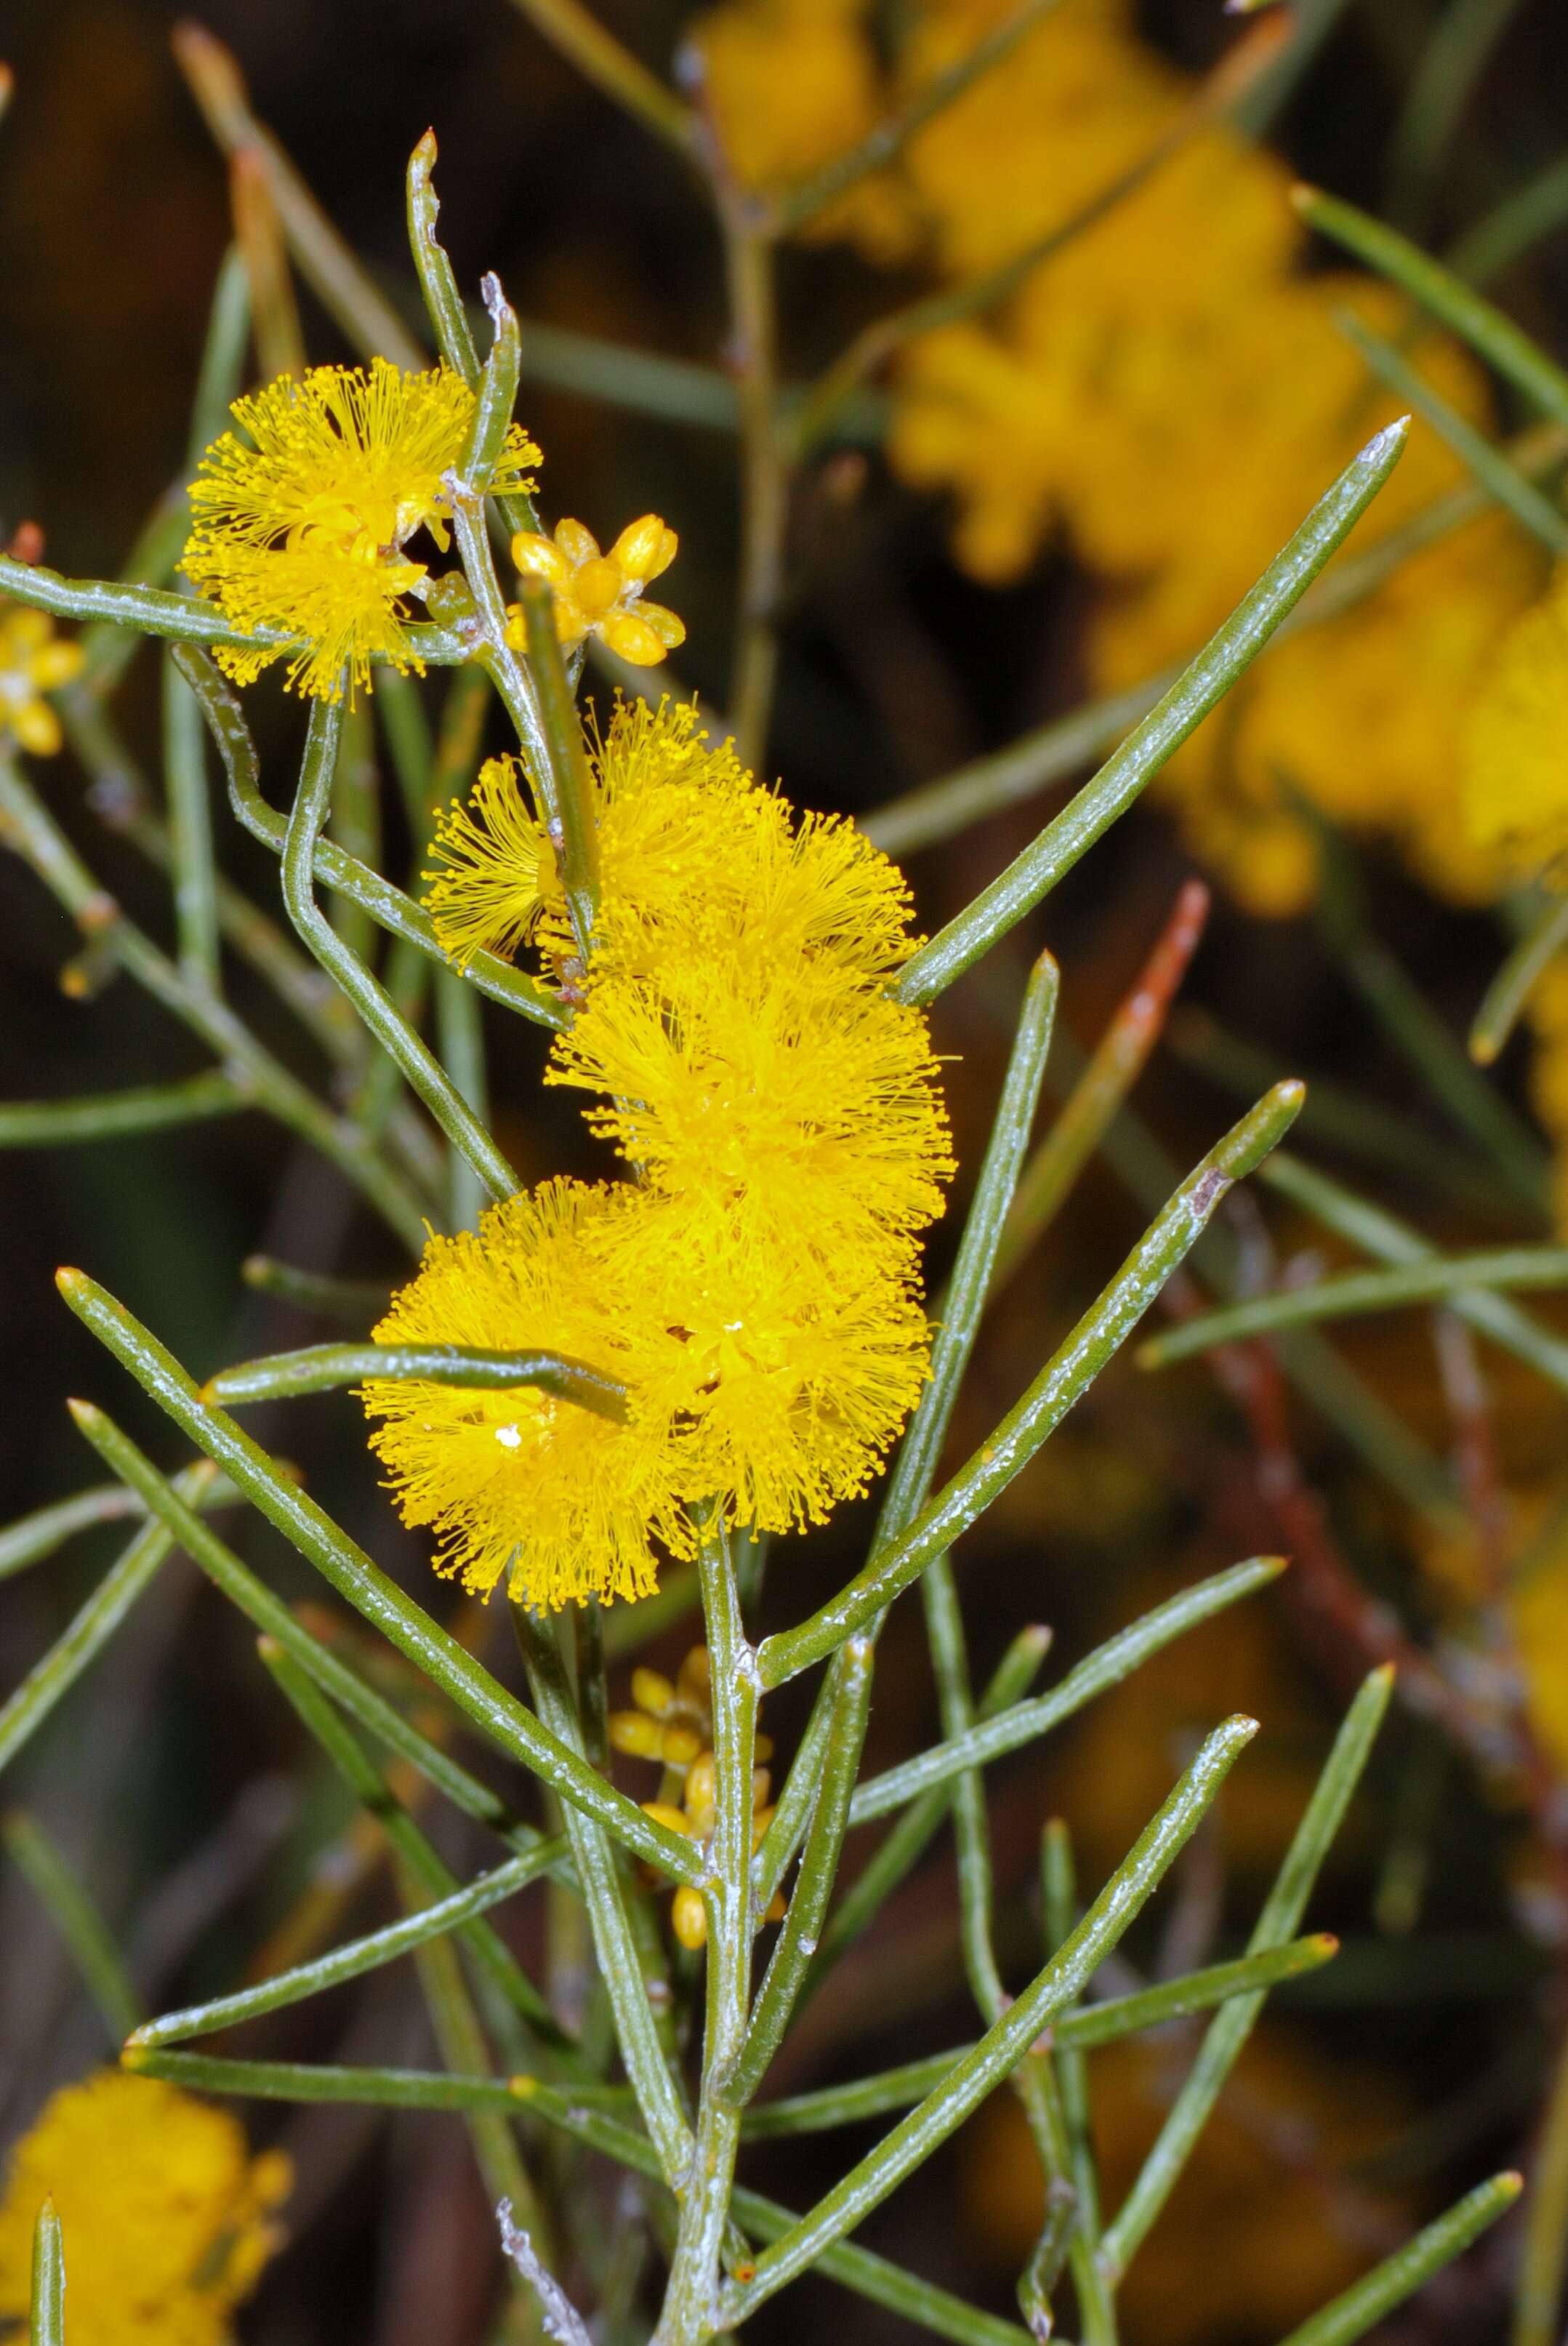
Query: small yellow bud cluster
34,660
599,594
674,1725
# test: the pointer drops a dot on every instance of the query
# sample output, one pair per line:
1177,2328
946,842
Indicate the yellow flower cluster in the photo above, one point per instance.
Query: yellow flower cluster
1168,392
165,2216
756,1290
302,527
33,661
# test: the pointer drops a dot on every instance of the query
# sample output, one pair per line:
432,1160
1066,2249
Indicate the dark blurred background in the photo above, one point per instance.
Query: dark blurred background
1385,2086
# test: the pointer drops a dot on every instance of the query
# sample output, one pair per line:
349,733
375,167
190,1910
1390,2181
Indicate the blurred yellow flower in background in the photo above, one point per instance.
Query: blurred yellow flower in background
165,2217
1516,779
1161,392
34,660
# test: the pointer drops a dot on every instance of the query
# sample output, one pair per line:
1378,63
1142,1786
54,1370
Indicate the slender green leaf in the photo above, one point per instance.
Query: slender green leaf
1360,2309
1230,2031
47,2320
913,2141
1493,337
1357,1292
348,1962
1516,980
1228,653
1501,480
51,1678
341,1561
1065,1377
77,1919
1380,1233
1089,2025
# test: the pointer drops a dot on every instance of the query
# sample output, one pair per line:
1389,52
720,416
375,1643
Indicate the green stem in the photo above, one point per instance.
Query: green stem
275,1619
1454,59
1512,226
686,2316
112,1116
602,1890
339,1299
189,827
81,1642
1410,1023
33,833
799,1940
913,2140
572,2113
33,1539
324,1368
387,905
418,1065
902,1848
908,1485
764,480
1098,1335
497,1713
179,619
78,1921
357,1955
423,1879
1276,1925
1227,655
573,791
1537,2307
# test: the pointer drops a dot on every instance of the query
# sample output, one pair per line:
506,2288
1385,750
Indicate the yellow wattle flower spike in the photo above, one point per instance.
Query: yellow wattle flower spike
33,661
599,594
167,2217
302,524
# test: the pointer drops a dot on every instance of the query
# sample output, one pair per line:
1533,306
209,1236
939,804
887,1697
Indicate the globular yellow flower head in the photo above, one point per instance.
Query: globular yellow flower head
165,2216
304,530
560,1502
33,661
667,811
753,1077
1516,768
785,1370
601,594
